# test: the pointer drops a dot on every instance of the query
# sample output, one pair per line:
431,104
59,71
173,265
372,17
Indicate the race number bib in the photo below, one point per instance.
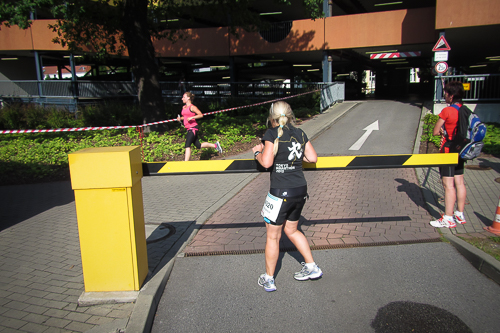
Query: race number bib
271,208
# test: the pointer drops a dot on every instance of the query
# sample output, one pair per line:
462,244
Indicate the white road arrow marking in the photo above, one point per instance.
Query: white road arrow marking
369,129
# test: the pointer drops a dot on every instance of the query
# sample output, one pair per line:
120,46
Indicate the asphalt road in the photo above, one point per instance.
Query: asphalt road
405,288
397,128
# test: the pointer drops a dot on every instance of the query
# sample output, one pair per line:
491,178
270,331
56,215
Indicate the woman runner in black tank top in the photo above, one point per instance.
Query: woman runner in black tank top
283,149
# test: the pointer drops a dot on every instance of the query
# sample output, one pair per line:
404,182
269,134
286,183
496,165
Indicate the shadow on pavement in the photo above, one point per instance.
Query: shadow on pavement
397,317
21,202
359,220
484,162
412,190
485,220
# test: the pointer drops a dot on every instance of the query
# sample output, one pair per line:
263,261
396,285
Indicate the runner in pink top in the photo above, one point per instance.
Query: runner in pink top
189,115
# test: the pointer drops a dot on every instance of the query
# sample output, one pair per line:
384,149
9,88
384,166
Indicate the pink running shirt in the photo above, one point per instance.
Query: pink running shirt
186,113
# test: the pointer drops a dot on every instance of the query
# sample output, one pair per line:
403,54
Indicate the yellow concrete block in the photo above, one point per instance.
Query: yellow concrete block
105,167
109,208
112,238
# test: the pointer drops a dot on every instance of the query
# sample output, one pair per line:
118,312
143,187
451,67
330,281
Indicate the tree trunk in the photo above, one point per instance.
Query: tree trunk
142,59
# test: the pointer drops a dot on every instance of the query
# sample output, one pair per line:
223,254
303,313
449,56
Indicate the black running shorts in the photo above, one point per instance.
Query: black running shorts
452,171
290,210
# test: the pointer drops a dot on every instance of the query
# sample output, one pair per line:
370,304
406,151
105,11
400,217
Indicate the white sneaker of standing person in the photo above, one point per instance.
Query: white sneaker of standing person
444,222
459,217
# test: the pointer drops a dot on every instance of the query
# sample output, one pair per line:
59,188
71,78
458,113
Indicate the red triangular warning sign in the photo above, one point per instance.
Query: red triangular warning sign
441,45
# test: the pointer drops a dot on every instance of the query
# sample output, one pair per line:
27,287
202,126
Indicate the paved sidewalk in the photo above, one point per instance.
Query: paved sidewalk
482,194
40,266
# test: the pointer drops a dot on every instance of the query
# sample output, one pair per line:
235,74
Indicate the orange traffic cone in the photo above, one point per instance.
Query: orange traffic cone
495,227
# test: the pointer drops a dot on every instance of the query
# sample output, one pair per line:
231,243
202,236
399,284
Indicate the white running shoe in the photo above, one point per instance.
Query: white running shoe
443,223
306,273
267,284
218,147
459,218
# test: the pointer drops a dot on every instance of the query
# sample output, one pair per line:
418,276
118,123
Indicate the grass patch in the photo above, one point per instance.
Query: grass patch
489,245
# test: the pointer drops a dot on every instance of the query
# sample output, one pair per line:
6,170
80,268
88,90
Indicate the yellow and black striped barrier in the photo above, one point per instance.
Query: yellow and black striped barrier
323,163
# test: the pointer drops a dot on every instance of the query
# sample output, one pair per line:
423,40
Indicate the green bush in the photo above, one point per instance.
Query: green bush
311,101
111,114
428,127
63,119
492,139
29,116
35,117
303,112
10,118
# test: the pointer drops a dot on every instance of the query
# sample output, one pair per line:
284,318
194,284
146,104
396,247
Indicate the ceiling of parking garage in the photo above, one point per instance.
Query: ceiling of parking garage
342,60
296,11
470,46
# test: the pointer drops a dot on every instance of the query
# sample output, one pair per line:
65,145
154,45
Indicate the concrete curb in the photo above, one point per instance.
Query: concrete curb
149,297
142,316
482,261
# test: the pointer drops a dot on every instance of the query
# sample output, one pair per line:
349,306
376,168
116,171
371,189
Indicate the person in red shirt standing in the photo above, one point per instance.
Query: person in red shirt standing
189,115
451,176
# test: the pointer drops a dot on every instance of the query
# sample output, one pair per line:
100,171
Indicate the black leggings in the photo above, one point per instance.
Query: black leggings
192,138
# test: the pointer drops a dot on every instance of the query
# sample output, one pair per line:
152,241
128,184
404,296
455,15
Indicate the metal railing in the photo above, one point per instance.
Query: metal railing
478,87
72,93
102,89
238,89
66,88
331,94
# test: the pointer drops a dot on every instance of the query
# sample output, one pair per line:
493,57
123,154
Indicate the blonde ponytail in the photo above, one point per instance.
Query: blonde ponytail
281,113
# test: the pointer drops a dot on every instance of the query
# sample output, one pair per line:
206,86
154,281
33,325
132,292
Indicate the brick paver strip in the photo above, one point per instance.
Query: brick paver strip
345,207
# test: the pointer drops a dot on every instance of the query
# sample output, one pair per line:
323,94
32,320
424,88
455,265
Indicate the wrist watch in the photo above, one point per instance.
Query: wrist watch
256,153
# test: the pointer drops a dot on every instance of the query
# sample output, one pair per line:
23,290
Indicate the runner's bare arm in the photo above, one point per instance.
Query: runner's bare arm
310,154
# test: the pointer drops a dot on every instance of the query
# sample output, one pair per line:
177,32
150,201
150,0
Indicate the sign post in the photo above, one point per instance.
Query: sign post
440,66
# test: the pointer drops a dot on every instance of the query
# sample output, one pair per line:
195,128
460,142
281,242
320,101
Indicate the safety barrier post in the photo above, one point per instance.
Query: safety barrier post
109,208
495,227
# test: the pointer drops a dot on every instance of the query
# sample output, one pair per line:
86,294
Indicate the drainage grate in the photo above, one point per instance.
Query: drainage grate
477,167
163,231
321,247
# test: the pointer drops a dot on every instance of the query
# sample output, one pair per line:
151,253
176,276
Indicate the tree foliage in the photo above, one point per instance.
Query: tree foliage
109,27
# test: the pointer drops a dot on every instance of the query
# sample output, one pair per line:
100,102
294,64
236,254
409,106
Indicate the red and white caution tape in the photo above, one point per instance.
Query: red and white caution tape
80,129
395,55
53,130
